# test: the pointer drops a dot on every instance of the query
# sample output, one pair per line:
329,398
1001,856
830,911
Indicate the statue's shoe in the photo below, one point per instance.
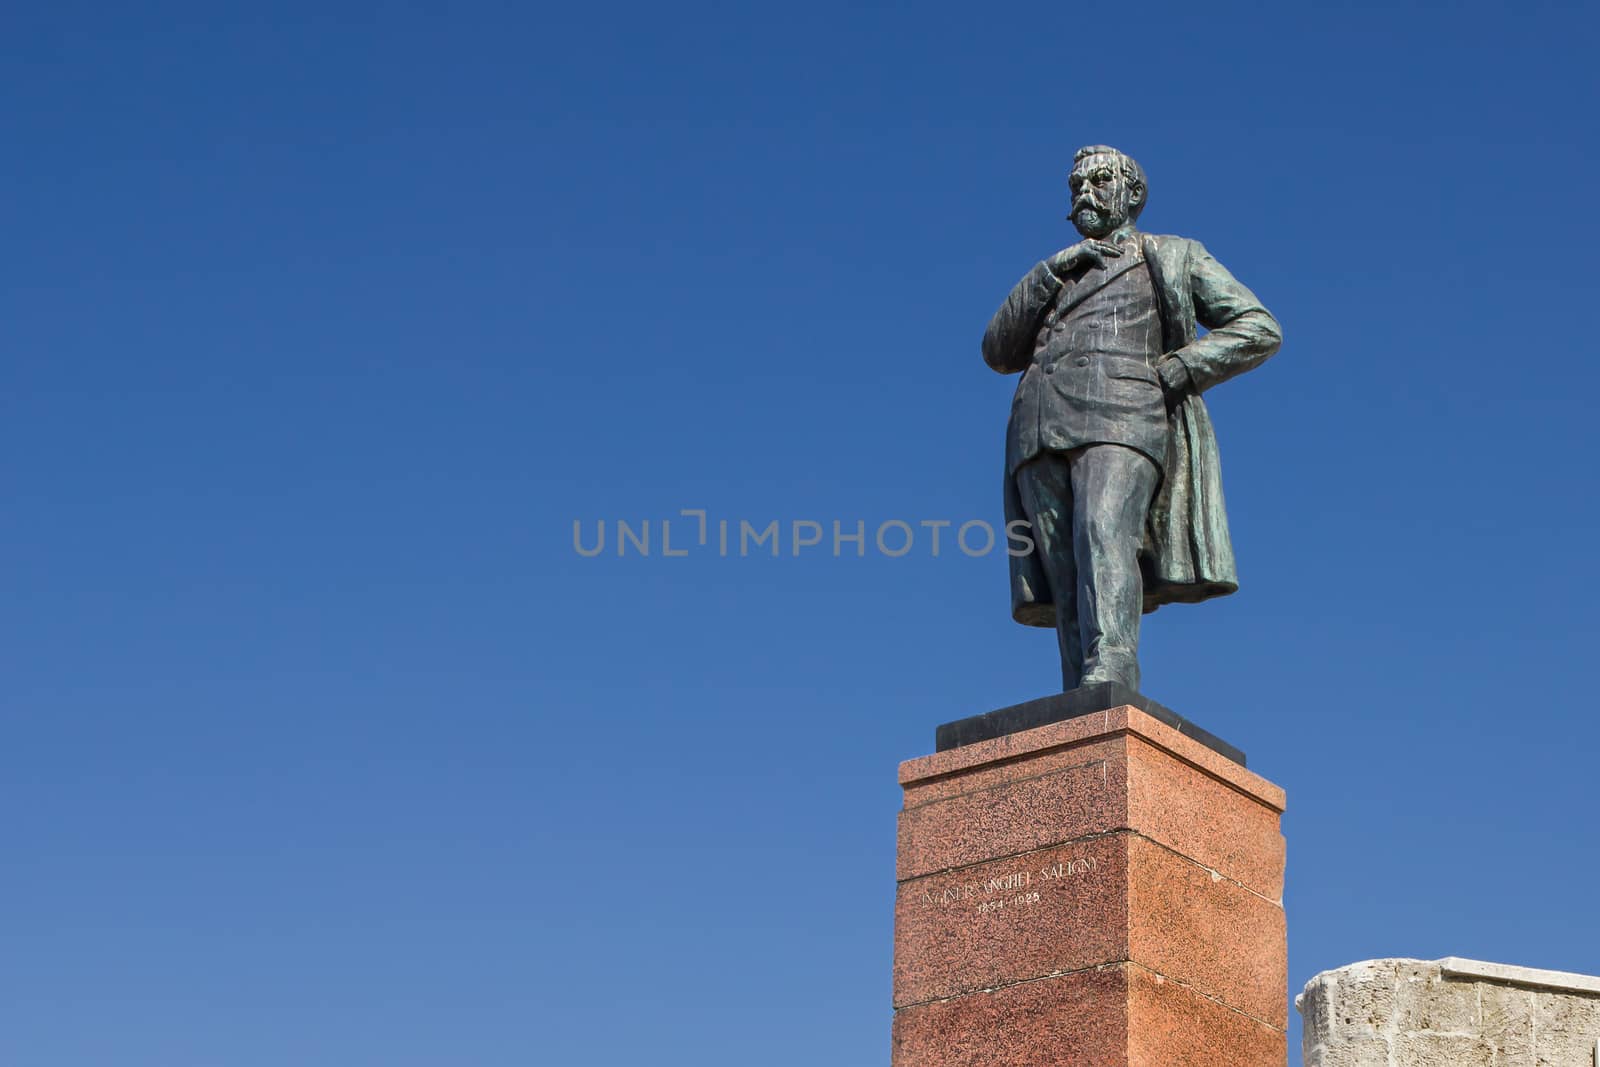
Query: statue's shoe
1103,676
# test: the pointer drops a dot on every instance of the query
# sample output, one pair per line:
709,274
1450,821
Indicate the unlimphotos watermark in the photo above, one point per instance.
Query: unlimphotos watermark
743,538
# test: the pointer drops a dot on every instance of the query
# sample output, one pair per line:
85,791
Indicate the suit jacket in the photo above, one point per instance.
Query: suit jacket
1105,392
1187,554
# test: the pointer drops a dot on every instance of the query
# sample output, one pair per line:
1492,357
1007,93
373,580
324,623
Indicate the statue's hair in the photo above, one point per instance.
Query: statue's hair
1130,170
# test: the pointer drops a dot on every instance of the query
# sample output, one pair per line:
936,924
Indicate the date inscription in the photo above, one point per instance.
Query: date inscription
1007,892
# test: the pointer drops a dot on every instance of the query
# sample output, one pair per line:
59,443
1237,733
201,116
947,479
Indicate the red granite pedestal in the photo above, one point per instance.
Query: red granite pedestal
1100,892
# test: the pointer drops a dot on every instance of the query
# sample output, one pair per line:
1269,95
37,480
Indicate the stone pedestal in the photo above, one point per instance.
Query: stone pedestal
1099,892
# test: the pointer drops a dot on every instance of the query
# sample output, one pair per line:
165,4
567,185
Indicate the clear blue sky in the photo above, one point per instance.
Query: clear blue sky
323,322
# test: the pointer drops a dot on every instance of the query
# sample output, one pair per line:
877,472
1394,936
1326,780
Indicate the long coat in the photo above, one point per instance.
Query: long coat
1187,555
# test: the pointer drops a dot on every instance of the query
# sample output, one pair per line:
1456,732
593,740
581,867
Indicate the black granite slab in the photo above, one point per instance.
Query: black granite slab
1070,705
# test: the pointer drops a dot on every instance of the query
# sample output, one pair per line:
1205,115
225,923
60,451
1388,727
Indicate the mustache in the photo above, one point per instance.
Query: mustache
1087,201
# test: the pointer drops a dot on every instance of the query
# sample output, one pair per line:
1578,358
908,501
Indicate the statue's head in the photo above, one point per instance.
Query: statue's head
1108,190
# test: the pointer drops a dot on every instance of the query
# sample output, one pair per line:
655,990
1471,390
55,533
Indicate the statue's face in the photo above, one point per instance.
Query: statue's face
1102,199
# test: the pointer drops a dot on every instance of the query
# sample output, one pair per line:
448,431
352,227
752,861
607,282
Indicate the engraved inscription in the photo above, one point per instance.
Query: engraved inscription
1018,901
1012,890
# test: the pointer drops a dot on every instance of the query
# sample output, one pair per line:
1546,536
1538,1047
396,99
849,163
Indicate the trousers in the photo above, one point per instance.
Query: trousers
1088,509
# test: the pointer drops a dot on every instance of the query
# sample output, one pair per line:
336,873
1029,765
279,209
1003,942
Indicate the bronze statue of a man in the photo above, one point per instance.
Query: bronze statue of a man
1110,455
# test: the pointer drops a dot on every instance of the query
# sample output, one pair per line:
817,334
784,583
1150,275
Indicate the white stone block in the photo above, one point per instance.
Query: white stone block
1450,1013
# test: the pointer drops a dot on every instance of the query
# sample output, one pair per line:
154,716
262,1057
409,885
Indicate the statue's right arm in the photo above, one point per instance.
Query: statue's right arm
1008,342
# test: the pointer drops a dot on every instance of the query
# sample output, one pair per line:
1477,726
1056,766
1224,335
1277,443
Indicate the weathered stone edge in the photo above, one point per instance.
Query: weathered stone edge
1565,981
1472,970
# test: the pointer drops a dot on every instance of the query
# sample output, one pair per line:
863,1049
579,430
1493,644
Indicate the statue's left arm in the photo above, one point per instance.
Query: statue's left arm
1242,333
